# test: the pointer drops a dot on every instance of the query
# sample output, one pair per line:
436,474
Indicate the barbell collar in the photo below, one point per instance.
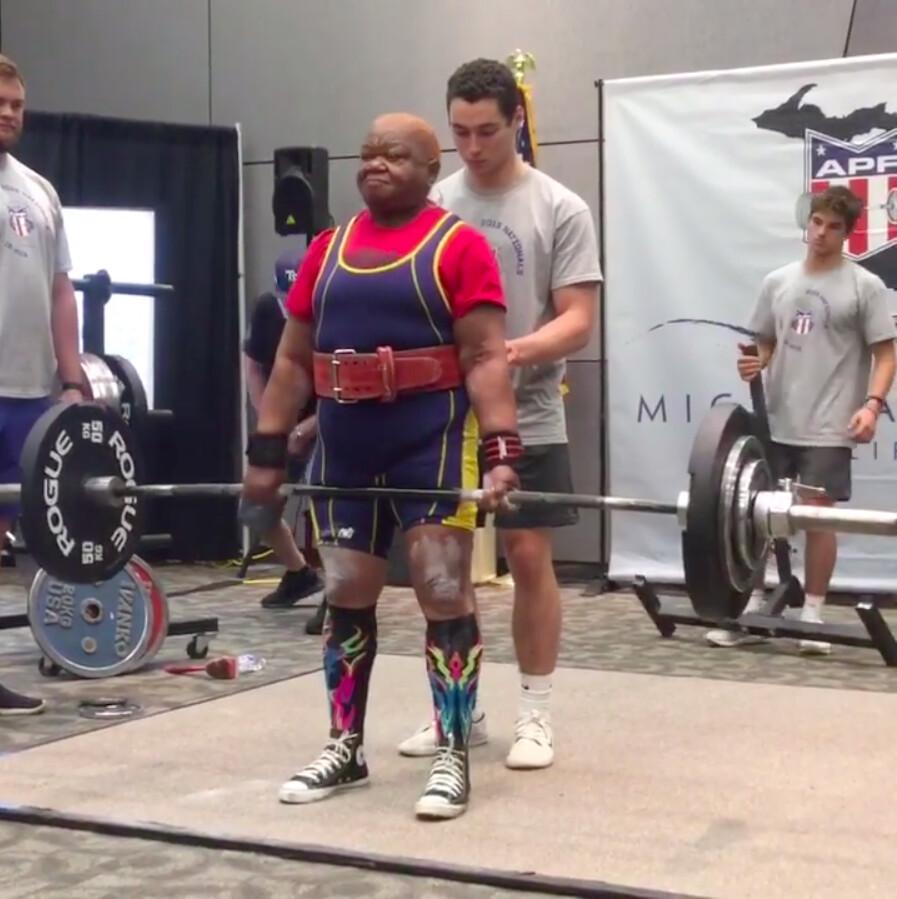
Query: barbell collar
772,509
682,509
10,494
778,516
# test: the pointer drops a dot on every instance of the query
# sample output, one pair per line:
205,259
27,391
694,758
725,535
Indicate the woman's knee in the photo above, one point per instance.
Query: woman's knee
440,572
352,579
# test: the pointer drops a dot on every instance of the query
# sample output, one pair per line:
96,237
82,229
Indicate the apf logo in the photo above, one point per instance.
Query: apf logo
868,170
858,150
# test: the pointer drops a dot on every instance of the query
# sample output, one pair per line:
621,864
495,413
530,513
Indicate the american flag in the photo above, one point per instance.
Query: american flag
527,143
802,323
19,221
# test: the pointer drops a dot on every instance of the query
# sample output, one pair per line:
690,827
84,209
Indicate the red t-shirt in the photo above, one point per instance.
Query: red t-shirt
467,266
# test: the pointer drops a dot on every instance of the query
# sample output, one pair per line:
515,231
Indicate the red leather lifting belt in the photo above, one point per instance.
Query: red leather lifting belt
347,376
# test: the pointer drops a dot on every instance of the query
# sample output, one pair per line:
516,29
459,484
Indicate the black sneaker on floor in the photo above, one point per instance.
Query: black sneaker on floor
315,624
293,586
340,766
448,786
17,704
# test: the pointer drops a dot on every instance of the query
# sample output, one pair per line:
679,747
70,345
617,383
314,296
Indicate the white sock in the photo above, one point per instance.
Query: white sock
812,610
535,693
755,601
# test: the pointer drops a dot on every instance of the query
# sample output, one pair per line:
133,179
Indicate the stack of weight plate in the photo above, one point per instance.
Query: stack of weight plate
99,630
101,382
114,382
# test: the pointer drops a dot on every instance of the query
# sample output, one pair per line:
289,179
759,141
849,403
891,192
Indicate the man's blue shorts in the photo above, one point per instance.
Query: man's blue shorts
17,418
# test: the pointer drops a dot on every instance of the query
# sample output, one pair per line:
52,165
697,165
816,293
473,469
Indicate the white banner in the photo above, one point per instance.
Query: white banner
702,176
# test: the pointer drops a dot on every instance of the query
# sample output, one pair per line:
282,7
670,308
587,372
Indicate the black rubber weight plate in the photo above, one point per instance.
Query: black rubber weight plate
703,553
70,536
133,398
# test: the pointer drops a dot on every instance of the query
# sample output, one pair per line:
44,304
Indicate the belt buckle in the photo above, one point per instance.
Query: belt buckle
335,363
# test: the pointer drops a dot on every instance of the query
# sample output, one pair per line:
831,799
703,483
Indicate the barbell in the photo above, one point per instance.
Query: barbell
82,502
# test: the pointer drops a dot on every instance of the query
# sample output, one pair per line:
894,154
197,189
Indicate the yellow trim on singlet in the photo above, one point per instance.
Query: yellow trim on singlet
314,522
436,258
423,303
326,287
319,448
331,244
444,451
465,516
341,259
375,522
395,512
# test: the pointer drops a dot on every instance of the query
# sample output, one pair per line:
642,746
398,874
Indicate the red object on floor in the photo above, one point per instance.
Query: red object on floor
223,668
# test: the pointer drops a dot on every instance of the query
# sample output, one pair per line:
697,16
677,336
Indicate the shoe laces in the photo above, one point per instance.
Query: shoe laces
447,772
533,726
334,756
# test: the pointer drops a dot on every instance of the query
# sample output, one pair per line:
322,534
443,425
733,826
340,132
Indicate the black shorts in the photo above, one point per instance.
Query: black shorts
544,468
816,466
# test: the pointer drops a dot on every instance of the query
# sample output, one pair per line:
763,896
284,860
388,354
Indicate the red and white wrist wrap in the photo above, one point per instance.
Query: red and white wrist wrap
501,448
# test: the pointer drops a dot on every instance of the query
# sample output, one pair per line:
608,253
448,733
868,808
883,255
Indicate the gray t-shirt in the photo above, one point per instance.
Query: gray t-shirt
544,238
33,249
823,325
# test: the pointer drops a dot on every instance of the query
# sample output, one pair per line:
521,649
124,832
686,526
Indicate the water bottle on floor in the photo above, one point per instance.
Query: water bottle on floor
248,662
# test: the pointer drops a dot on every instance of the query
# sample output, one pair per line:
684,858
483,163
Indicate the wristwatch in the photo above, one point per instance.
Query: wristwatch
878,399
73,385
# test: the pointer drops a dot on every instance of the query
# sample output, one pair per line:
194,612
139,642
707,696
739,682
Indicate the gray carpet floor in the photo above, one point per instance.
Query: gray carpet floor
604,633
49,863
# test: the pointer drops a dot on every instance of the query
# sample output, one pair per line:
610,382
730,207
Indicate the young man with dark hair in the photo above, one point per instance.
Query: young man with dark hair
259,351
38,313
543,236
826,336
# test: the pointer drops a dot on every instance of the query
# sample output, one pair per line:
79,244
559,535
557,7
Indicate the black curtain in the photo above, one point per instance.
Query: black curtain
189,175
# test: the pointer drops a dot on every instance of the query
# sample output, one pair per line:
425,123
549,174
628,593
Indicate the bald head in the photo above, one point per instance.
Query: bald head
399,164
414,130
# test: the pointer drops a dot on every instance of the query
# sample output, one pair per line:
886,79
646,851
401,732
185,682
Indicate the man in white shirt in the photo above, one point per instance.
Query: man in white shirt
543,236
38,313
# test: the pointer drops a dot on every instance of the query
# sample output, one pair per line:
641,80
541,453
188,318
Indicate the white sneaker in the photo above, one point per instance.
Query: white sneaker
533,745
812,647
722,637
423,741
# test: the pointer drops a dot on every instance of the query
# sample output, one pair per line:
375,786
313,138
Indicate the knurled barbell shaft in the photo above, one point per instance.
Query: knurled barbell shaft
799,517
113,489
